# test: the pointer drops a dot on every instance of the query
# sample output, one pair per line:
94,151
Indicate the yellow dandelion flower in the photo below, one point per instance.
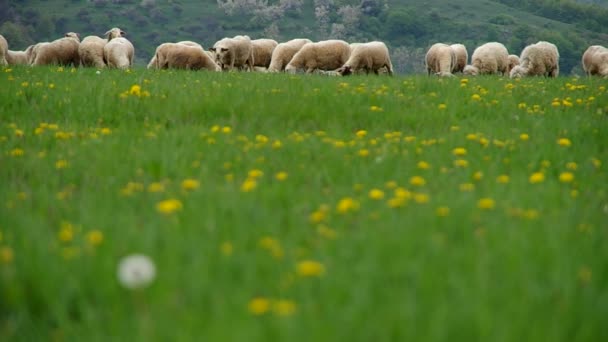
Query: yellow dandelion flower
135,90
485,203
376,194
571,166
277,144
347,204
423,165
502,179
255,173
94,237
417,181
536,177
6,255
259,306
375,109
281,176
190,184
471,136
475,97
318,216
105,131
390,184
226,248
363,152
556,103
467,187
566,177
156,187
442,106
442,211
249,185
66,232
284,307
61,164
226,129
530,214
402,193
461,163
310,268
169,206
478,175
17,152
396,202
524,137
564,142
596,163
361,133
421,198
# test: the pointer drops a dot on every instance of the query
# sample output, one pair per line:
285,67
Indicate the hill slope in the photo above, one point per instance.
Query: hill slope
408,27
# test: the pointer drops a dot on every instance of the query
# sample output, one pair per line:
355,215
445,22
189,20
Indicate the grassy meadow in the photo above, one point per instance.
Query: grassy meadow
302,208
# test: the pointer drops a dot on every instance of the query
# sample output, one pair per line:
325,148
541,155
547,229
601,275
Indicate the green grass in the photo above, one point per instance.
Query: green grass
532,267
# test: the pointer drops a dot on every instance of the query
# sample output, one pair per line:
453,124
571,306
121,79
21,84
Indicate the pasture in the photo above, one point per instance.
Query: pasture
302,208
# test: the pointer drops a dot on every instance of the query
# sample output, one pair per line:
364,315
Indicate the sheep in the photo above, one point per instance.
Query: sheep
595,61
17,57
513,62
440,60
325,55
3,50
262,51
367,56
118,51
62,51
540,59
462,56
489,58
153,64
182,55
284,52
91,52
234,52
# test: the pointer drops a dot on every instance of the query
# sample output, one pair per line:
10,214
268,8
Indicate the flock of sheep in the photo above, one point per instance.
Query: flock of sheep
334,57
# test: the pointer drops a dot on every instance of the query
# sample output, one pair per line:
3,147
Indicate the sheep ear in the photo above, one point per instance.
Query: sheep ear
123,33
107,34
224,49
212,49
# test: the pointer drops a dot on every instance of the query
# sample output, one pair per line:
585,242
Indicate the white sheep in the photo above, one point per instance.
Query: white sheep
262,51
153,64
325,55
62,51
595,61
91,52
371,56
234,52
489,58
183,55
284,52
540,59
3,50
440,60
17,57
513,62
462,57
118,51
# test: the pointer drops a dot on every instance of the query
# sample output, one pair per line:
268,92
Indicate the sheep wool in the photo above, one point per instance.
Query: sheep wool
118,53
540,59
462,57
62,51
440,60
3,50
91,52
284,52
234,52
513,62
262,51
183,56
595,61
487,59
325,55
370,56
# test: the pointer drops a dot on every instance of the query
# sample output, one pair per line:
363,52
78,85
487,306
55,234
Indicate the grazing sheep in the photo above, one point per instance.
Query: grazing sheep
462,56
284,52
91,52
234,52
154,64
262,51
489,58
62,51
118,52
3,50
513,62
595,61
440,60
325,55
540,59
17,57
182,56
367,56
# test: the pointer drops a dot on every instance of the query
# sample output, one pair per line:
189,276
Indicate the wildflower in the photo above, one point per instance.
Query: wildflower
281,176
363,152
249,185
459,151
226,248
442,106
476,97
423,165
156,187
564,142
190,184
169,206
284,307
95,237
566,177
271,245
319,215
347,204
376,194
390,184
226,129
61,164
421,198
277,144
361,133
442,211
136,271
255,173
571,166
135,90
485,203
17,152
66,232
326,232
524,137
596,163
461,163
310,268
466,187
478,175
375,109
259,306
536,177
502,179
417,181
396,202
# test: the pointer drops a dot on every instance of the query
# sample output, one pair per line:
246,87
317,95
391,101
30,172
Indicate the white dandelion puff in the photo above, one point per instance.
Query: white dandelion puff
136,271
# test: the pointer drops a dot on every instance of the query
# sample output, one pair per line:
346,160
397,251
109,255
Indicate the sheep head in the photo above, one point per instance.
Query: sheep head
73,35
517,72
345,70
470,70
115,32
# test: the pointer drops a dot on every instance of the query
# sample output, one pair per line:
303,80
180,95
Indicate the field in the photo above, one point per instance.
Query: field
302,208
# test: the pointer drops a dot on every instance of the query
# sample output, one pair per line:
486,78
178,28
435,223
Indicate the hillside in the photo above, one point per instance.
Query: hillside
408,27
